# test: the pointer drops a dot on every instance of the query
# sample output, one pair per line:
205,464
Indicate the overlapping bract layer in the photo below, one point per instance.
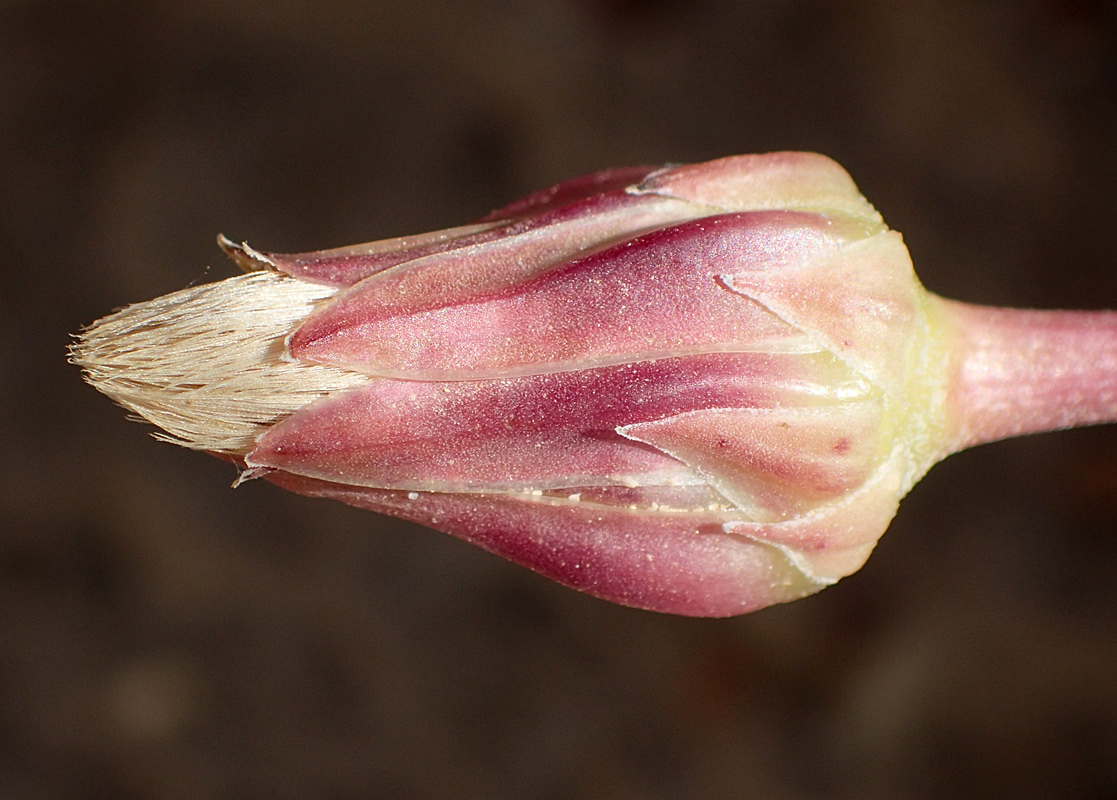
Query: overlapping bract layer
714,359
697,389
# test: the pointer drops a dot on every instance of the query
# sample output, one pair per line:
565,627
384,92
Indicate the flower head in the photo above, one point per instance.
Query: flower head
698,389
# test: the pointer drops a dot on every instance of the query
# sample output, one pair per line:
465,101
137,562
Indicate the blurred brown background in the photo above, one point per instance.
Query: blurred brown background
164,637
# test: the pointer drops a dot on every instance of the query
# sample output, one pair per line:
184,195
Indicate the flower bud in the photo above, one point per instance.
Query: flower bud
700,389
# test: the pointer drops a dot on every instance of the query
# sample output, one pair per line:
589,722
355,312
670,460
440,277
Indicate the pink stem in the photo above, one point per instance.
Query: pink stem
1021,371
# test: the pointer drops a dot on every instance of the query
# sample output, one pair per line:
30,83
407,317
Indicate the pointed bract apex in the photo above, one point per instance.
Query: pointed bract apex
244,256
561,194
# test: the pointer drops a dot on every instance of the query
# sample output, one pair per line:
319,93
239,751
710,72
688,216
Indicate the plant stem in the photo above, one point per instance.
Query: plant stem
1020,371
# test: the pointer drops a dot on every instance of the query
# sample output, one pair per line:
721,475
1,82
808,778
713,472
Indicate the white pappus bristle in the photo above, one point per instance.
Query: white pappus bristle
207,364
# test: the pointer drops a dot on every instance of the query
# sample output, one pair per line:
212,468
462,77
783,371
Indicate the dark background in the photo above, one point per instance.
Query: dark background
162,636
